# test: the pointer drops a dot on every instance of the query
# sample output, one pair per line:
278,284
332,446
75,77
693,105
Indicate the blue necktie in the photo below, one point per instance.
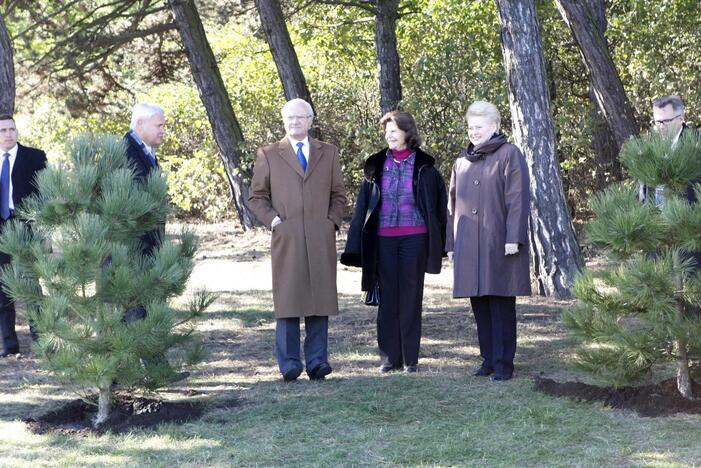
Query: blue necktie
5,187
300,156
151,156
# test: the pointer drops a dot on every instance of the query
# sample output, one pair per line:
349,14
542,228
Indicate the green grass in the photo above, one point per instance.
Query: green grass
441,416
390,420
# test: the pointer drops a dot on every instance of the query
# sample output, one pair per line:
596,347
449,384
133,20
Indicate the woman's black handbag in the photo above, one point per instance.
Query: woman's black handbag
372,297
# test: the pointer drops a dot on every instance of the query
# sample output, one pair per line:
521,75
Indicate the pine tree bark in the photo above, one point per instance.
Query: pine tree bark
581,17
104,406
683,377
607,167
7,72
284,55
227,131
387,55
554,248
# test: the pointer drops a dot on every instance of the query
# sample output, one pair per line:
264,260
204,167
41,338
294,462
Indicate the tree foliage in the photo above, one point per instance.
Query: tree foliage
449,55
640,311
79,292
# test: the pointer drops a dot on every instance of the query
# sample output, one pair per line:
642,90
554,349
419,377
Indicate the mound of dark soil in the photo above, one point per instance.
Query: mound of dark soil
128,412
661,399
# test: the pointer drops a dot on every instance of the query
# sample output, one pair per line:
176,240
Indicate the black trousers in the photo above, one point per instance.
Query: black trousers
496,331
401,269
10,344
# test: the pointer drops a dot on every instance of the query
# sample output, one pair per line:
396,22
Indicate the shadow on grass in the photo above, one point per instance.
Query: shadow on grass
240,331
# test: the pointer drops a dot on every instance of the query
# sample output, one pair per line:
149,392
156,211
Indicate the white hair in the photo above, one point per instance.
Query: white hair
292,102
484,109
144,111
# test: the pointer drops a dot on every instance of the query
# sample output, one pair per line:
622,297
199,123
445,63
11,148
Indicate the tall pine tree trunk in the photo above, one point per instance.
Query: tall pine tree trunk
581,17
387,55
556,255
227,132
7,72
607,166
604,142
294,84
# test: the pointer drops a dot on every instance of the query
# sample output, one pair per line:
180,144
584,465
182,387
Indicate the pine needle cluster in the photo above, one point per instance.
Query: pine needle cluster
77,265
641,310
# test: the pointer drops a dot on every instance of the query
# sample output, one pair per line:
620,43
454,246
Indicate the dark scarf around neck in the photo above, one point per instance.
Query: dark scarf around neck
475,153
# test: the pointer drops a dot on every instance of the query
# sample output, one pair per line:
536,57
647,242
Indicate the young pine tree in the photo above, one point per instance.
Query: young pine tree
94,212
643,309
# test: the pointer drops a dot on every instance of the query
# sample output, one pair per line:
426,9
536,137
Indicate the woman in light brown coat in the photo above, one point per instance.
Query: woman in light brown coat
487,234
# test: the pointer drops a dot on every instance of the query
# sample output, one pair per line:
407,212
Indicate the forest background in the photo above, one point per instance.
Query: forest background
75,75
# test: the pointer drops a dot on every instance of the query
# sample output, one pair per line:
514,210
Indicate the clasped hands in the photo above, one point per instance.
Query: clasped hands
509,249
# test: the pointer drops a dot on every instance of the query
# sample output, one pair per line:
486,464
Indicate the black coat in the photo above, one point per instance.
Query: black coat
647,193
29,161
430,197
142,165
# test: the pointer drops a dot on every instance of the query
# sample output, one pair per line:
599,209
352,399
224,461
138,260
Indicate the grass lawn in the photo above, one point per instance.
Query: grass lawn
441,416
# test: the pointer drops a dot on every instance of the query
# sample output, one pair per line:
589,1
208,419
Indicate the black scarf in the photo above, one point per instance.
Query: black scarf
475,153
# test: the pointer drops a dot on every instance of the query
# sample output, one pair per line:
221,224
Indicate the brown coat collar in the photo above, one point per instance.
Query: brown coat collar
288,155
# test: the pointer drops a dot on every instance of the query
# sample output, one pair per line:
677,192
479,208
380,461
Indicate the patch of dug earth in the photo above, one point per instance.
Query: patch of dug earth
128,412
662,399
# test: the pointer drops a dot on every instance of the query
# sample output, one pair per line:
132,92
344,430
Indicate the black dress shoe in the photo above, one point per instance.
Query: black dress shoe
9,353
501,376
411,369
384,368
483,371
320,372
291,374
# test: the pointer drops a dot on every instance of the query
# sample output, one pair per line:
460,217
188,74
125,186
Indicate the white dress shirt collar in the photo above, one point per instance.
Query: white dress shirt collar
676,137
305,146
12,151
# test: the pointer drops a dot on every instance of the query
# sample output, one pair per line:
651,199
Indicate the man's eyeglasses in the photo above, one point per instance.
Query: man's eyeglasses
664,122
291,118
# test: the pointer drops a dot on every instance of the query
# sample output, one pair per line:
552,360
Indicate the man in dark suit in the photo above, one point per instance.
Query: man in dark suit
145,134
18,168
669,120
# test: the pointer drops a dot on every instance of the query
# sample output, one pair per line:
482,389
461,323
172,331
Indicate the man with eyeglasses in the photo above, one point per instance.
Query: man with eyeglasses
668,118
297,191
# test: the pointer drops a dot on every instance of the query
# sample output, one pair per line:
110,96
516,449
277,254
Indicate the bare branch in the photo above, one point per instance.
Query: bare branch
130,35
365,5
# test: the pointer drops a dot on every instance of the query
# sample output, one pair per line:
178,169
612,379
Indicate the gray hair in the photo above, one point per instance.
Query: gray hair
484,109
292,102
664,101
144,111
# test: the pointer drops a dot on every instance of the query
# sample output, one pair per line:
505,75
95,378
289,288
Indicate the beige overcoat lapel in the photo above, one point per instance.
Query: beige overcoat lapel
289,156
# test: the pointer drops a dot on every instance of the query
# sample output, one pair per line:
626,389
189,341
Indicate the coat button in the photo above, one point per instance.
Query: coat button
474,210
477,182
